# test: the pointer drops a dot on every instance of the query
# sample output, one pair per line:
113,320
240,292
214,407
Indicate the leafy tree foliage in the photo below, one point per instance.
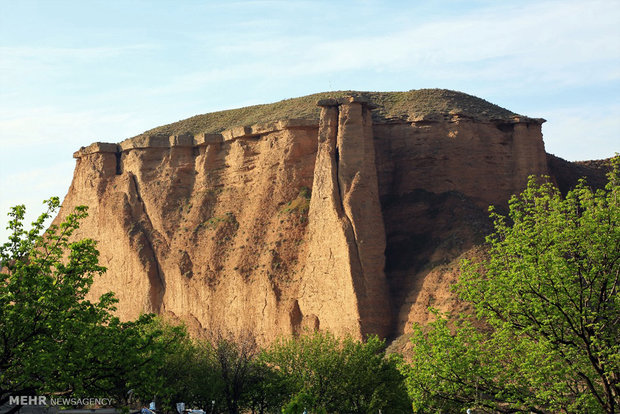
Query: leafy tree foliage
189,374
52,339
269,389
326,374
547,337
235,362
224,370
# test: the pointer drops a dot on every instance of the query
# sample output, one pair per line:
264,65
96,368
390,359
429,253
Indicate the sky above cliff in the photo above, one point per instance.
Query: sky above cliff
75,72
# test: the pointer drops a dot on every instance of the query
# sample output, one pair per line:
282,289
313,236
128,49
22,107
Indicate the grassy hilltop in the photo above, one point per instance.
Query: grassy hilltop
391,105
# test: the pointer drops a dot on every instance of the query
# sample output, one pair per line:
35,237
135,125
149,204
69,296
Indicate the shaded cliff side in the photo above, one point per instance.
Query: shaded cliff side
348,216
567,174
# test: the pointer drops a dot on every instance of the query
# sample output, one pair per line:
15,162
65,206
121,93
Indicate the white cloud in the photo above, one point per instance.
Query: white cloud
550,39
19,64
543,46
60,53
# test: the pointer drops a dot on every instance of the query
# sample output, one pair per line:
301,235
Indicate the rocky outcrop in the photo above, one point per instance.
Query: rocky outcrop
196,228
567,174
436,181
343,279
349,220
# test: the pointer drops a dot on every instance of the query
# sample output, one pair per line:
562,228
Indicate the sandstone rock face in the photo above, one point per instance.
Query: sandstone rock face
486,161
343,281
200,233
436,183
350,222
567,174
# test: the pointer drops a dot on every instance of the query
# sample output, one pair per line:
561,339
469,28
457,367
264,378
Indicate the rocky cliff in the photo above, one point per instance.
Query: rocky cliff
347,216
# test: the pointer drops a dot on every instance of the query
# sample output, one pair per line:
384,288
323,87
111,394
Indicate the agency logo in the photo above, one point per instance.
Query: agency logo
28,400
58,401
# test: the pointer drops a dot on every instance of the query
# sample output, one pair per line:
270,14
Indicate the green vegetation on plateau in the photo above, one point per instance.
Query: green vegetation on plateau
390,105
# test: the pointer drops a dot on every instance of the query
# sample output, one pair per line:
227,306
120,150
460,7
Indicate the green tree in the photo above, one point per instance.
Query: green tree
131,357
190,374
226,371
268,389
52,339
327,374
546,297
235,361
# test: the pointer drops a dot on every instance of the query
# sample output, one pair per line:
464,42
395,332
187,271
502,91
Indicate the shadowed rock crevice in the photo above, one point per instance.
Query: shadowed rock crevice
155,274
426,232
567,174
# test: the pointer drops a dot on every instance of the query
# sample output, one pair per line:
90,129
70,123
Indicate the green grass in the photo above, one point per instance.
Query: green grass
391,105
214,222
300,204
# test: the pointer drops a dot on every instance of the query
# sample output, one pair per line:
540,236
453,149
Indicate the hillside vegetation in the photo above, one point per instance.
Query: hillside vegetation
391,105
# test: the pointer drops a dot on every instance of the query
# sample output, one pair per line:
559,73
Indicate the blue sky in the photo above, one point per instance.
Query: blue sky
75,72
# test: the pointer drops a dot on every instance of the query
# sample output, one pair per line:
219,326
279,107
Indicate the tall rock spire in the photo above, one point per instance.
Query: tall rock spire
344,283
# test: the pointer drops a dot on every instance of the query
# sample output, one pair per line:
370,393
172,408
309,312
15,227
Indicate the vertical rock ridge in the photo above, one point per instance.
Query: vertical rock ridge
344,268
155,275
357,174
326,293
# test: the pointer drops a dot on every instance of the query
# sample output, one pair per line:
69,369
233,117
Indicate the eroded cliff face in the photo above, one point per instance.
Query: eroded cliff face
343,284
343,223
436,181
